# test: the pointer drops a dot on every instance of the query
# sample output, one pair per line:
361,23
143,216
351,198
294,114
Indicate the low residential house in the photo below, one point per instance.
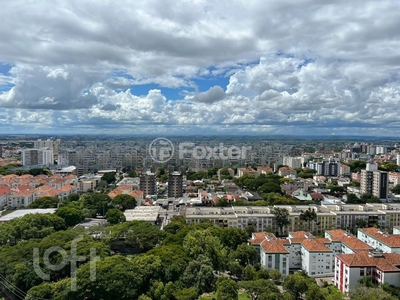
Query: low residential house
285,171
85,185
265,170
138,195
247,171
301,195
317,196
230,171
122,189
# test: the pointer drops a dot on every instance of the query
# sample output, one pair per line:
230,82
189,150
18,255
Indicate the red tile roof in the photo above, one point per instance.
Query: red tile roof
386,263
392,240
313,245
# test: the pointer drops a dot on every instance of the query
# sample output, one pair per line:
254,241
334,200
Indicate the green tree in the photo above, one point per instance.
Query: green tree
132,174
31,226
116,278
353,199
97,203
275,274
361,223
314,292
222,202
233,237
45,202
295,284
109,177
203,242
260,288
73,197
396,189
186,294
71,215
227,289
308,216
245,254
281,218
199,274
370,293
357,165
137,234
115,216
368,198
249,273
124,201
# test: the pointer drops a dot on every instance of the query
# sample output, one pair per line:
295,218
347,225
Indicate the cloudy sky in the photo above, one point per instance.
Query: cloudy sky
198,66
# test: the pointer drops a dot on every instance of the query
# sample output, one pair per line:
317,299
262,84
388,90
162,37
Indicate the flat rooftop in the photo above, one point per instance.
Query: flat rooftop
22,212
143,213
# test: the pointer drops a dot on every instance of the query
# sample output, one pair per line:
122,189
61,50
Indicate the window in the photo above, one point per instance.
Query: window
362,272
327,267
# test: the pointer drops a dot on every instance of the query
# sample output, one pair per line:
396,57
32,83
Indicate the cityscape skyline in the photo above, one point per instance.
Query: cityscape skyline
288,67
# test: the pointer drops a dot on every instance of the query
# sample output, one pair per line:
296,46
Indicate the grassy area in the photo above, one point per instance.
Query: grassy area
242,296
6,212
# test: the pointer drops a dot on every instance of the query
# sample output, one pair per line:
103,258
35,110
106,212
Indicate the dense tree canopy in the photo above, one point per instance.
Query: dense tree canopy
45,202
124,202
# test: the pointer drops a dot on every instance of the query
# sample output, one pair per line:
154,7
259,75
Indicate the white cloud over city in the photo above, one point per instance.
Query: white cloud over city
279,67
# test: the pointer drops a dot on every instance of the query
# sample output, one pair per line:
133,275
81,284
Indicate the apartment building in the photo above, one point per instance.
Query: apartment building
5,192
394,178
374,182
293,162
148,184
380,240
329,216
40,156
350,268
175,185
344,170
301,250
272,251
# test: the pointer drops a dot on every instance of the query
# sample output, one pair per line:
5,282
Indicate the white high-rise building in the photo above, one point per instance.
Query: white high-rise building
41,156
398,159
45,156
374,182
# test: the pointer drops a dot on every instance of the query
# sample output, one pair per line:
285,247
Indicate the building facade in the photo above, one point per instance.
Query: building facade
175,185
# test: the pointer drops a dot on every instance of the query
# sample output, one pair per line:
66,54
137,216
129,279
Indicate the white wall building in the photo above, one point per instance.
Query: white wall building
379,240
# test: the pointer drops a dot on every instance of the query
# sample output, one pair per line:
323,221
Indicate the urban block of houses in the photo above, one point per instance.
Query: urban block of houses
20,191
339,254
127,190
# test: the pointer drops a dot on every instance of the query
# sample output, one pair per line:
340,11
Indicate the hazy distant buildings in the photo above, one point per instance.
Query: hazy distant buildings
41,156
175,185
